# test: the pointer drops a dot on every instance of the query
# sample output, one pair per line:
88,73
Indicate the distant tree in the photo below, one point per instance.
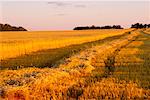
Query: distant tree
1,26
93,27
106,27
114,26
7,27
139,25
21,29
81,28
148,25
145,26
98,27
117,27
135,25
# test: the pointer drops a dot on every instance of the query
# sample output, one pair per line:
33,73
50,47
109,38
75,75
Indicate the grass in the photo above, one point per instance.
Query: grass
132,62
137,71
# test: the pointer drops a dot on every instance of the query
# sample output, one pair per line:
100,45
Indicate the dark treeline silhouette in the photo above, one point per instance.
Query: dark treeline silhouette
98,27
139,25
7,27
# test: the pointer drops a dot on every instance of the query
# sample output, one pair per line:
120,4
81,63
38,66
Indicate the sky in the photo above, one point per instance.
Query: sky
65,15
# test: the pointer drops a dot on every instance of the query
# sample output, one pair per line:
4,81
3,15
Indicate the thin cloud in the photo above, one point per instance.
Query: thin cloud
57,3
80,6
74,4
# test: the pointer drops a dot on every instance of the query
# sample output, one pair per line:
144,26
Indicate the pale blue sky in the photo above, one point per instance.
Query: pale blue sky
65,15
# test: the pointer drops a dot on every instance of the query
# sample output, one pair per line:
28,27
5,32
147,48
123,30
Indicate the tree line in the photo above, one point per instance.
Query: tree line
7,27
140,25
98,27
136,25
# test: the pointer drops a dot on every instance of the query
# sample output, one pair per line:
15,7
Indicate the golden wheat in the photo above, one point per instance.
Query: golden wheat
14,44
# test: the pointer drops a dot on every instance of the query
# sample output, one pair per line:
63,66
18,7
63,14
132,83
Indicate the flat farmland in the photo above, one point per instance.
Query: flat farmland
42,49
99,64
21,43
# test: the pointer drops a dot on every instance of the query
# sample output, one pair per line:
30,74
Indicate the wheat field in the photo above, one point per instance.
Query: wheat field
114,69
21,43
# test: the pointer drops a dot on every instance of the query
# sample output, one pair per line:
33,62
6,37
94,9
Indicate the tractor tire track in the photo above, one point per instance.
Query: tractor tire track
110,61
